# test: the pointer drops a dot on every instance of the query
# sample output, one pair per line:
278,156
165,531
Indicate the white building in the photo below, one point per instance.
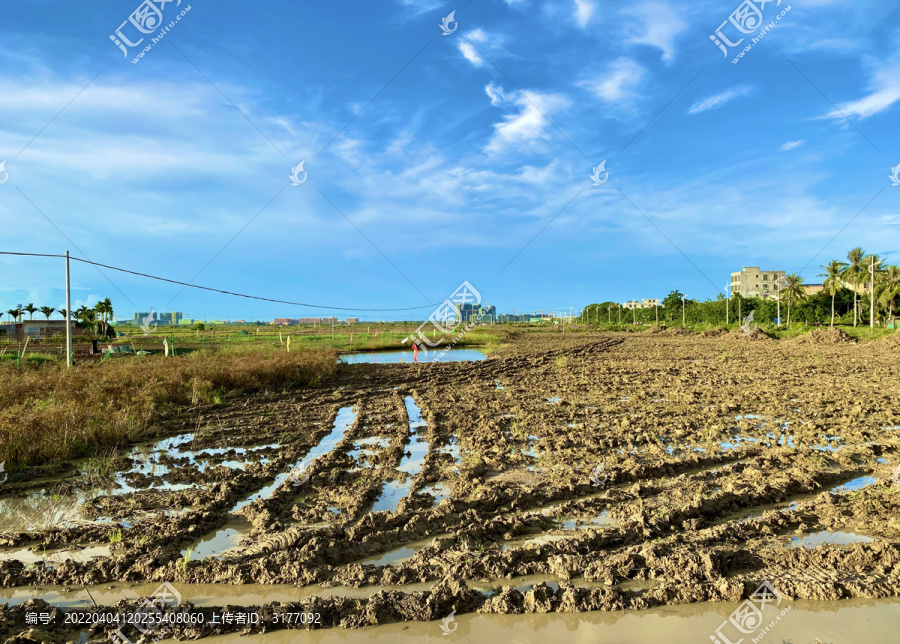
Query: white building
643,304
752,282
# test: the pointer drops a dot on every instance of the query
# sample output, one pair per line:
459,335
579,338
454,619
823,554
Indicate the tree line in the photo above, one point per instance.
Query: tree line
97,317
845,298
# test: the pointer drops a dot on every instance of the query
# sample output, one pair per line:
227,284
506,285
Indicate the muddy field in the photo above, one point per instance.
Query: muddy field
565,473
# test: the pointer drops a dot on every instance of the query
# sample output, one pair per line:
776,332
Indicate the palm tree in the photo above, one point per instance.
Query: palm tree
63,312
90,317
793,290
100,310
852,273
13,314
105,309
889,290
833,272
81,314
31,308
47,311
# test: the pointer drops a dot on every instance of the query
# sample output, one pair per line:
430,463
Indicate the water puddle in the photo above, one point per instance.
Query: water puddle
398,555
439,491
393,357
553,401
584,524
535,541
51,558
222,542
411,463
855,484
825,537
345,418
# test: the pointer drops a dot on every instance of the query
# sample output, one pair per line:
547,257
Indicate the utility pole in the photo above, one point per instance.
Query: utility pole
609,314
778,297
682,310
727,304
872,293
656,311
619,311
68,315
634,312
332,330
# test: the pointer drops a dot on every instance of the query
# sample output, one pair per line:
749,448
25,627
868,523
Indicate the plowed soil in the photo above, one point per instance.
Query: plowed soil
627,470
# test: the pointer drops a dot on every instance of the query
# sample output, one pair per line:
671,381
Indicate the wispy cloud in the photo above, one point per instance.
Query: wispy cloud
523,129
719,100
655,24
884,91
790,145
468,49
584,11
619,82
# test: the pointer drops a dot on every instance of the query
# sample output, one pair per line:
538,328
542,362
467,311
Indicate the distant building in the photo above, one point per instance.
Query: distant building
159,318
643,304
36,329
752,282
285,321
812,289
351,321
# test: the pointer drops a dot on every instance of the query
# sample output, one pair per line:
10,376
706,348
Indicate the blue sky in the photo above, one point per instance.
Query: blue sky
447,153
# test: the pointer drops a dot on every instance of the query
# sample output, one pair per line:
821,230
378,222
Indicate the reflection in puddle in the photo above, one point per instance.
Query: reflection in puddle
342,423
825,537
411,463
217,544
855,484
398,555
52,558
583,524
439,491
387,357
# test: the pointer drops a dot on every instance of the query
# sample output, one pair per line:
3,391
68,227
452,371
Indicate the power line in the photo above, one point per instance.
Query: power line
215,290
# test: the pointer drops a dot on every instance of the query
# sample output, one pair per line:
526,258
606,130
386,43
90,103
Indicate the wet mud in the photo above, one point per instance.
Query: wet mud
610,471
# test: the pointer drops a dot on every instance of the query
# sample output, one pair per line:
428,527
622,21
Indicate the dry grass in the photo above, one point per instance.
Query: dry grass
50,414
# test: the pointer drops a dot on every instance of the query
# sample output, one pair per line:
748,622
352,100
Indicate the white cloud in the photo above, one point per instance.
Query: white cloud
529,125
496,94
790,145
718,100
470,51
656,24
619,82
584,10
884,91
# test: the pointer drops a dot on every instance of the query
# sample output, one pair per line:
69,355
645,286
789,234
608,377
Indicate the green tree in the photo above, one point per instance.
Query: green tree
888,291
793,291
672,305
13,314
31,308
832,284
47,311
104,310
851,275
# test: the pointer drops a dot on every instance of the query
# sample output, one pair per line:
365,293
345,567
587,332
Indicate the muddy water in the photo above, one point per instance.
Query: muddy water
342,423
387,357
228,537
411,463
850,620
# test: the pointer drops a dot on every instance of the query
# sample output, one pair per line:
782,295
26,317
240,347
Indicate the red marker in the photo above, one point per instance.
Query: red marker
415,352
